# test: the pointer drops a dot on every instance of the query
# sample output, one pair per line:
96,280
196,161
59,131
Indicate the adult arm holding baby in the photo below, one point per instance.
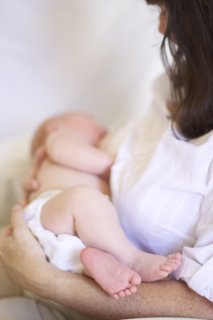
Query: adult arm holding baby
24,261
19,250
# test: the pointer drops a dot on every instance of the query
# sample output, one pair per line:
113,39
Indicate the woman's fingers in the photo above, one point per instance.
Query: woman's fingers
20,253
23,238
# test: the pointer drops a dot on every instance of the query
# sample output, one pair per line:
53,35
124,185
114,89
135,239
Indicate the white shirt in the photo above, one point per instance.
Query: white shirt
162,187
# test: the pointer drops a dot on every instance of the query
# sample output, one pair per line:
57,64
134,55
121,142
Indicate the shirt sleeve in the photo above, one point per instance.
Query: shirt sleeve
197,262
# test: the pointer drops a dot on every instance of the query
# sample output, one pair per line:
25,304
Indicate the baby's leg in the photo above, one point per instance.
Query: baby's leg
113,276
103,267
85,212
88,214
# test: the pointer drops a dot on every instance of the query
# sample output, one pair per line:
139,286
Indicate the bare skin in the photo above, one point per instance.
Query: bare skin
116,279
68,158
72,221
121,281
24,261
19,251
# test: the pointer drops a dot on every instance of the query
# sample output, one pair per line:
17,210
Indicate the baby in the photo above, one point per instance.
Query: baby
70,212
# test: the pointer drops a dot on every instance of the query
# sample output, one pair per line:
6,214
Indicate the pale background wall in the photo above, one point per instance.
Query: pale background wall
59,55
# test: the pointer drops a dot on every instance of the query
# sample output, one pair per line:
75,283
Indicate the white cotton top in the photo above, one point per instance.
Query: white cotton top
162,187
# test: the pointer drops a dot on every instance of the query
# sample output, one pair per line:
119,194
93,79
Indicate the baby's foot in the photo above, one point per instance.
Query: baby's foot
116,279
153,267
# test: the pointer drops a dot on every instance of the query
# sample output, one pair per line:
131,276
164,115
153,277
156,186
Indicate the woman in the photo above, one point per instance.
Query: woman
166,298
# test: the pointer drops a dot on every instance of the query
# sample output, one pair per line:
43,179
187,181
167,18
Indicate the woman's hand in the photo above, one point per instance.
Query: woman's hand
20,254
24,261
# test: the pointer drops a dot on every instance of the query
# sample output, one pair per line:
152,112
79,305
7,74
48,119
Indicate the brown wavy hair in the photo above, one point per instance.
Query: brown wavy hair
189,35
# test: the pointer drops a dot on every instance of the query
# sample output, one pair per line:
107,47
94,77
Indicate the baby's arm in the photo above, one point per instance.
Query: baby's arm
70,140
87,127
68,148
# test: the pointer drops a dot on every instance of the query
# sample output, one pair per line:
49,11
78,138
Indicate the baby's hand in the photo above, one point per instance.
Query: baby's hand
30,183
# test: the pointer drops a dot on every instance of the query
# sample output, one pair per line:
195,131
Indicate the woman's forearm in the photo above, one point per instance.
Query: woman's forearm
162,298
24,261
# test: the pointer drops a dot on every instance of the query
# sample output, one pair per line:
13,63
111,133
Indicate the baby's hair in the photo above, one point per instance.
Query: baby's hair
189,35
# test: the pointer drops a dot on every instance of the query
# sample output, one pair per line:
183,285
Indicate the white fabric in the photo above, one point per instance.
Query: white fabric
60,55
177,174
162,187
62,250
14,164
18,161
20,308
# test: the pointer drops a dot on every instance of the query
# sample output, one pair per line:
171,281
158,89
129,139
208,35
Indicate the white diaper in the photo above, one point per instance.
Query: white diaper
62,250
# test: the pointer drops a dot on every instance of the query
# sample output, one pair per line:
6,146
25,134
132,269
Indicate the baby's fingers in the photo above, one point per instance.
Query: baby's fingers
30,184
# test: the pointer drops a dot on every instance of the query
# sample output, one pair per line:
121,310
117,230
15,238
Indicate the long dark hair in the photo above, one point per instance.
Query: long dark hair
189,34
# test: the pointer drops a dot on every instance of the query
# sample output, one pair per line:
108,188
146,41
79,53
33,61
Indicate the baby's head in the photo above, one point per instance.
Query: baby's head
187,26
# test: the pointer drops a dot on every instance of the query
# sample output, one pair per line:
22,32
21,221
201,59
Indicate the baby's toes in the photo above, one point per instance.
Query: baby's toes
175,260
115,296
166,267
175,257
121,294
127,292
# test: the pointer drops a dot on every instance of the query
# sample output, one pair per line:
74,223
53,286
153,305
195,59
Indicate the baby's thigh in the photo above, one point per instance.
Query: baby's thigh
60,213
56,215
